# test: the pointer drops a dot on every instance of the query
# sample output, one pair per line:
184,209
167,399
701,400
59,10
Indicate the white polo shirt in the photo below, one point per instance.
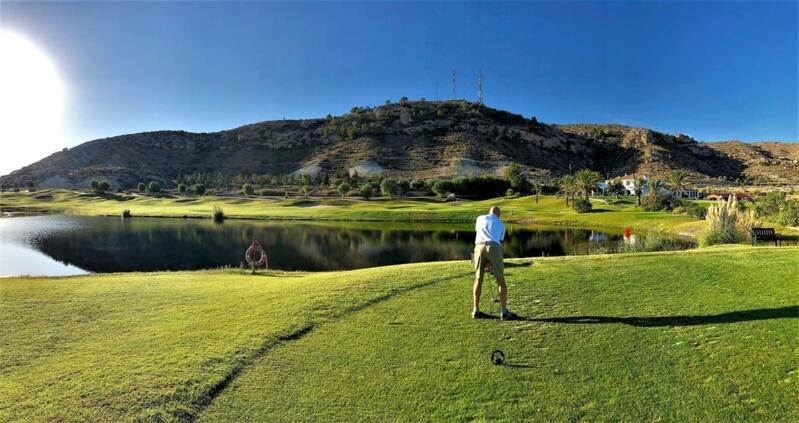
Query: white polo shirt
489,228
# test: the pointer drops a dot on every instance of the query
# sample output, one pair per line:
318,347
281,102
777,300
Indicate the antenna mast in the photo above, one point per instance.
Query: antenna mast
453,84
480,88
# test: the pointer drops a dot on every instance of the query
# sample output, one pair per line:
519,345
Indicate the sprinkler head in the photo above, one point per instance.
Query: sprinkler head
497,357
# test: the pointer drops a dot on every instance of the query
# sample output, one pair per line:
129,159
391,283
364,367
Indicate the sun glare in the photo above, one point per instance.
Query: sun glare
31,103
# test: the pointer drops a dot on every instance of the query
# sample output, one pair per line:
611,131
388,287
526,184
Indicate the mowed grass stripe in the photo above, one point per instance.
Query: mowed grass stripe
689,336
157,346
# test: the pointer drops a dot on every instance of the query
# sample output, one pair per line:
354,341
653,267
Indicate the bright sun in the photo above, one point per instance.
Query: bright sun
31,103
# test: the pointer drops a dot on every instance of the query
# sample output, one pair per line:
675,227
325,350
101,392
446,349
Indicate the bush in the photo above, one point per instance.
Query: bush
306,189
219,214
582,205
247,189
654,242
509,192
343,188
390,188
477,187
154,187
694,210
198,189
94,184
182,188
520,183
789,216
728,224
659,202
770,204
126,214
142,187
366,191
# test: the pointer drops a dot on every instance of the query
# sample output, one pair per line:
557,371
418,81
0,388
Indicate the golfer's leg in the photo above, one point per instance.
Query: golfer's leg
503,292
479,268
497,260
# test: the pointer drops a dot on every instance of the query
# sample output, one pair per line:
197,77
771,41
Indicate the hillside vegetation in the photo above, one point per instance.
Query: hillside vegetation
407,139
701,335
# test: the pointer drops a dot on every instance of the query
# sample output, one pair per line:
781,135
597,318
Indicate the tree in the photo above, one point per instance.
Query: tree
343,189
519,183
537,186
94,184
678,181
366,191
182,188
567,185
639,183
198,189
103,186
306,189
142,187
153,187
247,189
615,187
585,180
512,170
390,188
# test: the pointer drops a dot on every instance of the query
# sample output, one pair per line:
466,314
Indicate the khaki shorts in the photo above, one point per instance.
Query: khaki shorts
485,254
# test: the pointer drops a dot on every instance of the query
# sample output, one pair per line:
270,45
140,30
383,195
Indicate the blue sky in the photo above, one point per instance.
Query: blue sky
712,70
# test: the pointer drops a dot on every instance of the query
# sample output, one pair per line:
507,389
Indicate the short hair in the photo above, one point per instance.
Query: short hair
494,210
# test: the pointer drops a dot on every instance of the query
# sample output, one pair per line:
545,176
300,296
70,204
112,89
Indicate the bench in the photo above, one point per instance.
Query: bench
765,234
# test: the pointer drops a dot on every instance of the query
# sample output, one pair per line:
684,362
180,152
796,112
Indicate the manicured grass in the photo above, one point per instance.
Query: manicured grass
700,335
616,214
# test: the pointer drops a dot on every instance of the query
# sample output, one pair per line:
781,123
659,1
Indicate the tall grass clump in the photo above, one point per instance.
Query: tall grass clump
728,224
219,214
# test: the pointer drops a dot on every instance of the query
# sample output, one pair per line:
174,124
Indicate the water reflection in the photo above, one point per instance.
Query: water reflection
105,244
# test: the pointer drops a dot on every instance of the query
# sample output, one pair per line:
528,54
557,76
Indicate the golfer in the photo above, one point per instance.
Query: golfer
488,252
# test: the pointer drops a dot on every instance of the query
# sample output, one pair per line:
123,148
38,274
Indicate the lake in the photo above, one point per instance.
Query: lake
69,245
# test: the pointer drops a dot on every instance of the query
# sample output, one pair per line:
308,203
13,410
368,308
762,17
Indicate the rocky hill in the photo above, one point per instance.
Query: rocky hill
407,139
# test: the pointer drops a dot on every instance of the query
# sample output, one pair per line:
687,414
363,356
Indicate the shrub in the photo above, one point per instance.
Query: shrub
659,202
126,214
520,183
582,205
219,214
247,189
653,242
694,210
343,188
477,187
306,189
103,186
789,216
198,189
390,188
153,187
94,184
728,224
182,188
366,191
142,187
770,204
509,192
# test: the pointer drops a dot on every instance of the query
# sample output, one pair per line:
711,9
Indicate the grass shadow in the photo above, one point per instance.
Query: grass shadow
790,312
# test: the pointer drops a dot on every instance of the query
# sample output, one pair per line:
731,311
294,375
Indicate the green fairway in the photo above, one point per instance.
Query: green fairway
701,335
608,213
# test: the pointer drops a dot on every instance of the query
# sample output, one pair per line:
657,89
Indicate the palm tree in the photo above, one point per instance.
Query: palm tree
586,180
537,185
639,183
567,186
678,181
654,186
